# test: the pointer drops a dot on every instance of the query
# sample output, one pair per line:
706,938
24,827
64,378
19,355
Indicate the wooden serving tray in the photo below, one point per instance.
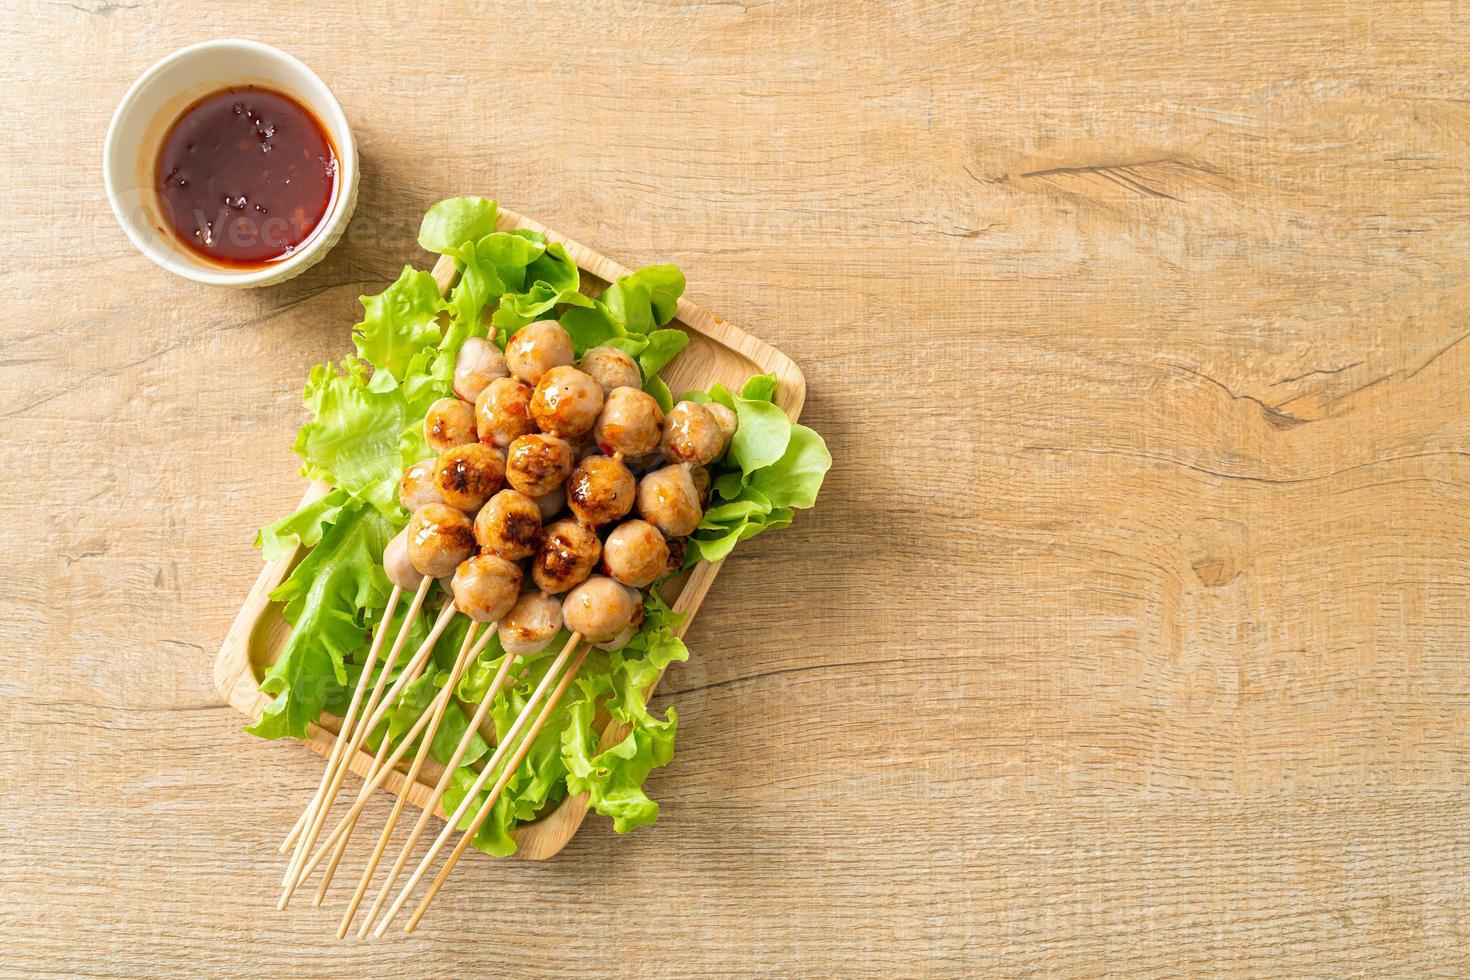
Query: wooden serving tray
717,351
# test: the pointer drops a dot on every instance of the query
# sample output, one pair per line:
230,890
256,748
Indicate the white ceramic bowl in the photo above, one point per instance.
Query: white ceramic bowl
156,99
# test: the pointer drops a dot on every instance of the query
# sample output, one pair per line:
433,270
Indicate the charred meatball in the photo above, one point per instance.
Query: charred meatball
509,525
466,476
567,555
537,464
600,490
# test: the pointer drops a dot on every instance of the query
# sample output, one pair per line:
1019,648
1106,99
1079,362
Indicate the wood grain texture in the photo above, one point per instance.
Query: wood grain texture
1130,636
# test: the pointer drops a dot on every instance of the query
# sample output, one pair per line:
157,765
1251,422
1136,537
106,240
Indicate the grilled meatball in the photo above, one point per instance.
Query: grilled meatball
629,631
600,490
537,348
439,538
630,423
396,563
691,434
611,368
635,553
486,587
449,423
537,464
509,525
668,500
416,486
466,476
727,420
566,402
503,412
599,609
479,362
567,555
551,504
530,625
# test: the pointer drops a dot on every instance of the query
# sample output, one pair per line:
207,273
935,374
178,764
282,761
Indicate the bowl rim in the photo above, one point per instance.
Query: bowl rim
323,236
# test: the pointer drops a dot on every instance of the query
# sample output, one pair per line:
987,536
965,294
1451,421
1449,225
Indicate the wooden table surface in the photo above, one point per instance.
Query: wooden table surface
1130,634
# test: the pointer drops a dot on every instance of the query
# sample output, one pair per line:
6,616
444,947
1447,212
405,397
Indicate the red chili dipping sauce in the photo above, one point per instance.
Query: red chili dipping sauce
245,175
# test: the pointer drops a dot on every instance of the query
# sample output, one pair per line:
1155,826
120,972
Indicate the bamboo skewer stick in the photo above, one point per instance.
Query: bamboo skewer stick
428,809
344,734
321,889
344,826
489,804
484,777
304,845
467,652
435,710
398,641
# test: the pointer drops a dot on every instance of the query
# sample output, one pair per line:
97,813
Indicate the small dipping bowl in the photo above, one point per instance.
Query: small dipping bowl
143,119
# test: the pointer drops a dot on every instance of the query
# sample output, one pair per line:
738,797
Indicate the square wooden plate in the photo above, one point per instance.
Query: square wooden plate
717,351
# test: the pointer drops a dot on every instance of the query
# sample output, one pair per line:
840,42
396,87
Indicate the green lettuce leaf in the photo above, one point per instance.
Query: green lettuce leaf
331,598
398,322
305,526
449,224
773,468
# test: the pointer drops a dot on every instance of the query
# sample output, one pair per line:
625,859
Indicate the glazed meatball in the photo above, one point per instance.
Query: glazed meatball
486,587
611,368
466,476
599,609
566,402
600,490
416,486
509,525
503,412
668,500
635,553
551,504
479,363
630,423
439,538
398,566
537,348
449,423
537,464
629,631
691,434
530,625
567,555
727,421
